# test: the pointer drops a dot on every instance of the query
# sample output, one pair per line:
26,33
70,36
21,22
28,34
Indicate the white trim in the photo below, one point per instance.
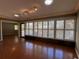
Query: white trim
77,53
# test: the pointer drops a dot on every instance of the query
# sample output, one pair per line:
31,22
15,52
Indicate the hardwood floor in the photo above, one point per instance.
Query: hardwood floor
15,48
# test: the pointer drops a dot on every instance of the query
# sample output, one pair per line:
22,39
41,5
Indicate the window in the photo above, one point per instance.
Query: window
44,33
54,29
27,25
39,28
35,32
69,24
35,25
60,24
45,25
51,29
69,30
51,34
30,25
30,28
22,30
31,32
60,29
27,32
15,27
35,29
69,35
51,24
39,33
59,34
39,25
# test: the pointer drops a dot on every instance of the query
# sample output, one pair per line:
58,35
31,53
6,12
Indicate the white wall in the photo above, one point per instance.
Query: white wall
77,35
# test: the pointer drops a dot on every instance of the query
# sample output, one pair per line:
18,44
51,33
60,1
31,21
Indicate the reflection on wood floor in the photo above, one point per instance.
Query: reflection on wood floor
14,48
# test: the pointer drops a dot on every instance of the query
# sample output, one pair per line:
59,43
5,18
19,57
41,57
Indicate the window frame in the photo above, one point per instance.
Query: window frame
55,29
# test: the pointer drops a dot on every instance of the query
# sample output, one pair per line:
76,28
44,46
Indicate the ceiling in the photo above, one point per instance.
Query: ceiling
59,7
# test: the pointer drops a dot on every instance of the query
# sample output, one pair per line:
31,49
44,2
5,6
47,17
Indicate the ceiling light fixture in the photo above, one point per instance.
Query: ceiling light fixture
35,8
16,15
29,11
48,2
25,12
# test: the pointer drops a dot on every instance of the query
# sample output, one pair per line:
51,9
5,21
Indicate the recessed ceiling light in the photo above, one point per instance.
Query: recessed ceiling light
48,2
31,11
25,12
35,8
16,15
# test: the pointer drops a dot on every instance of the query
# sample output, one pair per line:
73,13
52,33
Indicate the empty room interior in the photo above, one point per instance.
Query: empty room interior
39,29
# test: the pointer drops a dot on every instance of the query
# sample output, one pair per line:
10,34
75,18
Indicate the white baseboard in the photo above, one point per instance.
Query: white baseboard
77,53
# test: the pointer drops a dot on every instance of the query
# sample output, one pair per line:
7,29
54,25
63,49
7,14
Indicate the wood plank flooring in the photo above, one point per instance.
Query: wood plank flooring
17,48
